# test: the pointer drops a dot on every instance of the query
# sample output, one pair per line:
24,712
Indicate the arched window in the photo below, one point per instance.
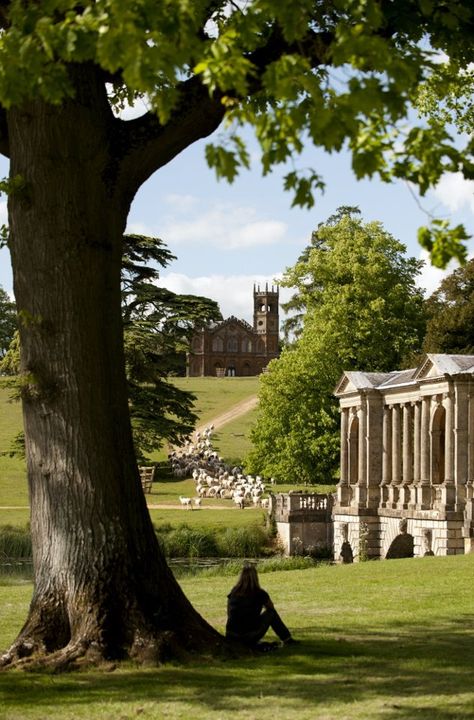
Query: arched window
217,344
438,445
246,345
232,344
196,345
354,451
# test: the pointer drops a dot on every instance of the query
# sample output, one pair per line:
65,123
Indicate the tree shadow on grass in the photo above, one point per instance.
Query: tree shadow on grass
401,672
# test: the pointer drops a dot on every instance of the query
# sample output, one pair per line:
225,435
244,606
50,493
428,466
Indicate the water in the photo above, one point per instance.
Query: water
23,569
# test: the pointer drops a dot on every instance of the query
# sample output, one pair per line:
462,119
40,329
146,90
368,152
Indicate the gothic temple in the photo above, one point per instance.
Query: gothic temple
233,347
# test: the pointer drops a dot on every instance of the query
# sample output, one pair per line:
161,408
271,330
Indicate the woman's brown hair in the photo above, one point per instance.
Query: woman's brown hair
248,583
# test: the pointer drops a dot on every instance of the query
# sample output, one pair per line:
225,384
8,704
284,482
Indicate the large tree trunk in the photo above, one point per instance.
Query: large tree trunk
101,583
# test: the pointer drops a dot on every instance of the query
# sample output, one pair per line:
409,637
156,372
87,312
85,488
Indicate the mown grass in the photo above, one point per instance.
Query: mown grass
389,640
213,396
232,440
216,395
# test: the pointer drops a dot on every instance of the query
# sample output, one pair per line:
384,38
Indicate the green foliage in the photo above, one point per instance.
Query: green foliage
158,325
444,242
227,542
450,326
339,74
15,543
356,291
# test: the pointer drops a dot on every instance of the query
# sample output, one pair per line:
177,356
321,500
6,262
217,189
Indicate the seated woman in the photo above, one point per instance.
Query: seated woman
247,621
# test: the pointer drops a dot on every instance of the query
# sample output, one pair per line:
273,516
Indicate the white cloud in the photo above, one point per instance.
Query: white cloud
225,226
431,276
3,213
181,203
138,228
455,192
234,293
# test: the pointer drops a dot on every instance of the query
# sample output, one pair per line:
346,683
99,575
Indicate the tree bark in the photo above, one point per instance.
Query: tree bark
101,584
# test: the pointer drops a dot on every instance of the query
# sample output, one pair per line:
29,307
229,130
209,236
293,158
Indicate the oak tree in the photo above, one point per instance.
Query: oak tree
339,73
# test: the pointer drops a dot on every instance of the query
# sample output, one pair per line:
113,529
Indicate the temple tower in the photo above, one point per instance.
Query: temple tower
266,319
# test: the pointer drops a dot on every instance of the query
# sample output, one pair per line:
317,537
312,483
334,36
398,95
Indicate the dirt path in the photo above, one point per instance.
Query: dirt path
232,414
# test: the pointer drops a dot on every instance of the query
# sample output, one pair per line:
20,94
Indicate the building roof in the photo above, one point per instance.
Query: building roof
433,366
232,320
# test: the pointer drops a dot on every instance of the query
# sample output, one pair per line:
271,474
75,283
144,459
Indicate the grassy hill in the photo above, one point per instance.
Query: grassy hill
213,397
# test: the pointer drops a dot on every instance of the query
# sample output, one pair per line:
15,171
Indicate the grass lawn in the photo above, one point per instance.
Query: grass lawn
232,441
389,640
214,396
218,519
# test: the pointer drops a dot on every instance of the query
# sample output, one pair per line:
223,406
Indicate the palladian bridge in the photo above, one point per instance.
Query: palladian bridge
406,466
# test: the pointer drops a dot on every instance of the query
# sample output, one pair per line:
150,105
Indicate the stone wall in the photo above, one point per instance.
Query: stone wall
304,523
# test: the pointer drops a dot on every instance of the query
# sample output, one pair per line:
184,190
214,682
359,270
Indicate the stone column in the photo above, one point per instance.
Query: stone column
361,488
416,441
447,491
374,444
396,458
416,453
469,507
471,438
386,454
343,489
461,441
424,494
407,454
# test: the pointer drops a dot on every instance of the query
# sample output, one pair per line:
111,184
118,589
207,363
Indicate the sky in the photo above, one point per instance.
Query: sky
228,237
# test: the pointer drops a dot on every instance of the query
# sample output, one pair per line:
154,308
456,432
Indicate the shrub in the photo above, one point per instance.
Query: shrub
15,543
243,542
186,542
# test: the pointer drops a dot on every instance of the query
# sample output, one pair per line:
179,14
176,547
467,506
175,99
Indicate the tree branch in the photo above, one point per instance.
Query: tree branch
145,145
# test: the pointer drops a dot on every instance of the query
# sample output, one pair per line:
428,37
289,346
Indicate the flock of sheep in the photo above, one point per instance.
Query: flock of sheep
213,477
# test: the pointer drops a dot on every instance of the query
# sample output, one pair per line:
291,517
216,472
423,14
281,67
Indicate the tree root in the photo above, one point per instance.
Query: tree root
26,656
152,650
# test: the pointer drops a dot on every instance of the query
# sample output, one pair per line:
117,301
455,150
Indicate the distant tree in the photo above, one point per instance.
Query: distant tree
362,312
8,321
306,285
158,325
450,310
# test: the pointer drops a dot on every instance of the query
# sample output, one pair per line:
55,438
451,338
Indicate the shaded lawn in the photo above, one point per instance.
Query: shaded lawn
389,640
